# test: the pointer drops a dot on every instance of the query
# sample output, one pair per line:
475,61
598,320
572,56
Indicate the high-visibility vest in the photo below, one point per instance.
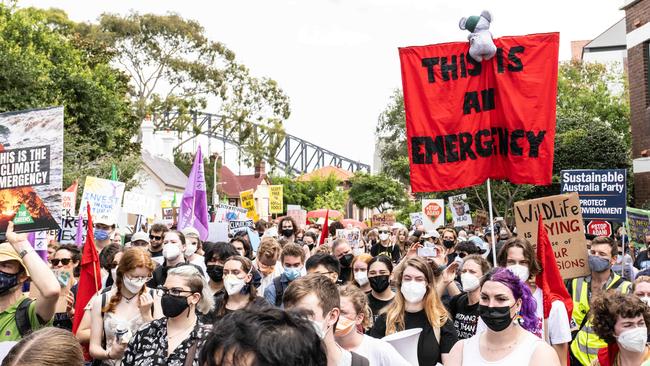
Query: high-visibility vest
586,344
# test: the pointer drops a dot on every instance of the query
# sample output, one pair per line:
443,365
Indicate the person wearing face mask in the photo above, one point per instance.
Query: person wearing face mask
319,297
354,320
518,256
309,239
381,295
386,246
215,258
621,321
641,288
417,305
177,338
118,313
174,248
293,261
360,272
104,227
288,229
342,251
64,263
602,255
192,246
463,307
508,309
267,262
449,241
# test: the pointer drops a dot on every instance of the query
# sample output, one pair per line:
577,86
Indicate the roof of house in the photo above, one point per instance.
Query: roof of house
326,171
614,36
165,170
232,184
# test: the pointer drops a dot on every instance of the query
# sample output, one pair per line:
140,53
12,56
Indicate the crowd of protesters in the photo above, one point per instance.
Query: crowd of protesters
168,298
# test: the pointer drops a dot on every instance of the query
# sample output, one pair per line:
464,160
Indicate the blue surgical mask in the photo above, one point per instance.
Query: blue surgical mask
101,235
292,273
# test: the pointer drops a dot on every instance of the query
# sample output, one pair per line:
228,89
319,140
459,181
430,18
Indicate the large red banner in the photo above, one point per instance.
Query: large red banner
467,121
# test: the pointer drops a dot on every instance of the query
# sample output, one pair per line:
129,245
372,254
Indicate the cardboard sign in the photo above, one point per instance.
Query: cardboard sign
638,223
236,226
169,215
248,202
434,213
351,235
276,199
297,214
217,231
140,204
563,221
68,233
383,219
602,192
225,213
417,218
467,121
460,210
104,196
31,169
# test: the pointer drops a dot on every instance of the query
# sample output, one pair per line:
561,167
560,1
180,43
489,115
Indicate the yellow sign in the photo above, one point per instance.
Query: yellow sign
248,202
275,199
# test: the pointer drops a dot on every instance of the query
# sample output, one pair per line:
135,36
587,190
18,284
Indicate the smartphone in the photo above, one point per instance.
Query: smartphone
427,252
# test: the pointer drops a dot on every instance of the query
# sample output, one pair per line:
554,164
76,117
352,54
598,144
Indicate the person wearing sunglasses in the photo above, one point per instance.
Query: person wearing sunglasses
177,338
65,263
386,246
117,314
156,236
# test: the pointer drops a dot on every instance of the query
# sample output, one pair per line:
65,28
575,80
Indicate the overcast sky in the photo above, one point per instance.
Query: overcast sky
337,60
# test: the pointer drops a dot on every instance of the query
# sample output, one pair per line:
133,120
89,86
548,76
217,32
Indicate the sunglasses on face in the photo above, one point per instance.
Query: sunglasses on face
64,261
384,232
154,237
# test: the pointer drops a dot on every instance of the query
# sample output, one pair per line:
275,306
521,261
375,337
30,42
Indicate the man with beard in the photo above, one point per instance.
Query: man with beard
156,235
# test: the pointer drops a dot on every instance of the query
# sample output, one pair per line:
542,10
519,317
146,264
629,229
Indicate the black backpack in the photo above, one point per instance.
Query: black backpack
279,291
22,317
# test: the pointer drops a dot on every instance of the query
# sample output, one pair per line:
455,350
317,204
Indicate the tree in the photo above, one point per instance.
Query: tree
307,193
391,135
333,200
376,191
176,69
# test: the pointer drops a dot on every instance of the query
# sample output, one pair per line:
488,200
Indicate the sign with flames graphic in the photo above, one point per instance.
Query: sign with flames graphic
31,169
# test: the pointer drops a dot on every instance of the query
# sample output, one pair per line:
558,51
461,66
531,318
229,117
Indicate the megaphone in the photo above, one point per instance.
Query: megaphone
406,344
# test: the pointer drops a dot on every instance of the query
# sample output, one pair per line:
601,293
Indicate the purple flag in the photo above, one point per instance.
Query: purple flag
78,239
194,205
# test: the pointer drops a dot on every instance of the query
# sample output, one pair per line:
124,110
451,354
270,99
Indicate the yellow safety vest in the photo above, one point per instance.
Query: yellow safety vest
586,344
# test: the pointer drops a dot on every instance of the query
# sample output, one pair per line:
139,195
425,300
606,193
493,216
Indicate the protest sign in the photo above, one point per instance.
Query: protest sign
225,213
169,215
602,192
275,199
563,222
351,235
638,223
248,202
460,210
218,231
104,196
387,219
417,218
467,121
236,226
68,203
434,213
140,204
31,169
68,233
297,214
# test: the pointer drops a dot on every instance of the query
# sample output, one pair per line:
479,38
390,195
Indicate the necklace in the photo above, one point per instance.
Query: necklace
128,299
183,331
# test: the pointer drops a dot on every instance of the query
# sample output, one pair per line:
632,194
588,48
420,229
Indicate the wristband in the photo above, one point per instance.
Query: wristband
24,252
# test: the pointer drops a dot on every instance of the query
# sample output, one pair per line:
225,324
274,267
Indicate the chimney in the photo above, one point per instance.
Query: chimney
166,150
260,168
146,130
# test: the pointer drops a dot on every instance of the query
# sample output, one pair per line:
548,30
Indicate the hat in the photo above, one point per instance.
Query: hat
191,232
431,234
104,219
8,253
140,235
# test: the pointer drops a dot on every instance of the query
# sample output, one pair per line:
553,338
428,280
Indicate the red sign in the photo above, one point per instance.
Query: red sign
468,121
599,228
433,210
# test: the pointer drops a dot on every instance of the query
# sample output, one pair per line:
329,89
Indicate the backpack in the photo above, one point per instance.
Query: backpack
22,317
279,291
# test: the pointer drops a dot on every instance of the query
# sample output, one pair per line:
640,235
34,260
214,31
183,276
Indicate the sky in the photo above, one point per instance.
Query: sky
337,60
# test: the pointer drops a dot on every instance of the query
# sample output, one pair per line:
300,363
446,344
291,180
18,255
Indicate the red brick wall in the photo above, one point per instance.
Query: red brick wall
641,188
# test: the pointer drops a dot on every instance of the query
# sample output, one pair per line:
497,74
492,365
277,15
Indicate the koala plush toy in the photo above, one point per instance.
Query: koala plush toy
481,45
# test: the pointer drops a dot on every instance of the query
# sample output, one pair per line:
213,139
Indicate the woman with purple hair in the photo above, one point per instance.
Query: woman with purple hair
508,309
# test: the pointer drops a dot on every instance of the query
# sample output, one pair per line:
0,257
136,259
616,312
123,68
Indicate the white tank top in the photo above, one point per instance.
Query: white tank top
519,356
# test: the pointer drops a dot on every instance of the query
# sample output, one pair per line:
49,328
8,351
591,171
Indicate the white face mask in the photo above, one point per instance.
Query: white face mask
383,237
134,286
520,271
171,251
319,329
458,260
646,300
233,284
413,291
190,249
469,282
633,340
361,278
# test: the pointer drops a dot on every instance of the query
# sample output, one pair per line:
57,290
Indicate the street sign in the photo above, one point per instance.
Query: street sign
599,228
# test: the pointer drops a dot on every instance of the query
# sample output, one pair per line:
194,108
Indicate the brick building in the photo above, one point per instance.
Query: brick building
637,24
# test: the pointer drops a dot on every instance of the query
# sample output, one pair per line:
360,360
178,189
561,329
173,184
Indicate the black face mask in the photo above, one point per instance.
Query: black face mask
448,243
496,318
7,282
346,260
173,306
287,232
215,272
379,283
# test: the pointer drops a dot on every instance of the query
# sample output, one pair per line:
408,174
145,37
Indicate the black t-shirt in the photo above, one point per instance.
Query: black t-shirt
376,305
391,251
465,316
429,350
642,261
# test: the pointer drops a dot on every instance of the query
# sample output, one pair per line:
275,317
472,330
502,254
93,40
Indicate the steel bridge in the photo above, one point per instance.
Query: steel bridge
294,155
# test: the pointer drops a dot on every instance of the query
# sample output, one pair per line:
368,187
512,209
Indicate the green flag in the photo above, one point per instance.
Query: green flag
114,173
174,200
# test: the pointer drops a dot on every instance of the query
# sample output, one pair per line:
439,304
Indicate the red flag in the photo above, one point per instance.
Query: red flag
325,232
550,280
90,279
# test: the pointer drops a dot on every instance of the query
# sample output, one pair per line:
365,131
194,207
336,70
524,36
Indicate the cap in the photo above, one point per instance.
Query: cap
191,232
431,234
104,219
140,235
8,253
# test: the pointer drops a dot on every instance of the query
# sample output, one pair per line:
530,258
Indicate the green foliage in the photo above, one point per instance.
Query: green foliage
334,200
376,191
391,134
313,194
402,215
